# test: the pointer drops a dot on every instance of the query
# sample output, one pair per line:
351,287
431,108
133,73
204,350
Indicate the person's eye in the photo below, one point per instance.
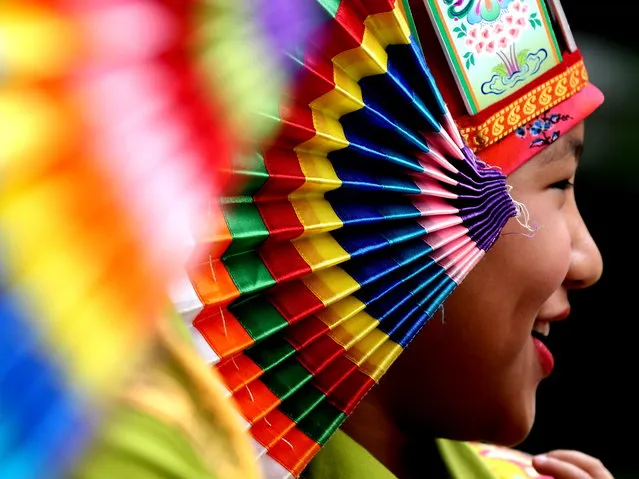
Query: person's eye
563,184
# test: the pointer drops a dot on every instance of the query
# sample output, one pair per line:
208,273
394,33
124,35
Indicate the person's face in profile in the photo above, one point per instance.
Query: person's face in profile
475,375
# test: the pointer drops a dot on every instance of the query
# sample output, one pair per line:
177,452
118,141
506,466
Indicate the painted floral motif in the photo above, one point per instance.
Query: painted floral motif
495,27
543,130
476,11
495,46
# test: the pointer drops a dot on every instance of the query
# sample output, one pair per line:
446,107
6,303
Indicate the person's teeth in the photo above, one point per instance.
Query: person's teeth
542,327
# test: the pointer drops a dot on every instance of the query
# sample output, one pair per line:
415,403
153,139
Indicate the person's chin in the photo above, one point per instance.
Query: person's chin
506,422
515,423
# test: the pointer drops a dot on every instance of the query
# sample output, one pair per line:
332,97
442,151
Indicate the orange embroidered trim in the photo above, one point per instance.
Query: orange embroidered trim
527,107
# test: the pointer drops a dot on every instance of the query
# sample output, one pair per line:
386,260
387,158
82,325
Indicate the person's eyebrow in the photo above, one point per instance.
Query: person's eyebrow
572,146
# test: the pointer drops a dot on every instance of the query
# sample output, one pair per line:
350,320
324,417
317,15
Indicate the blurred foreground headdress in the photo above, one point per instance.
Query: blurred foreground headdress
117,119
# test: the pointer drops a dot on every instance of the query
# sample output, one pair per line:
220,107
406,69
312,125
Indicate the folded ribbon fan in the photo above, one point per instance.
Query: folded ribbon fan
116,116
351,228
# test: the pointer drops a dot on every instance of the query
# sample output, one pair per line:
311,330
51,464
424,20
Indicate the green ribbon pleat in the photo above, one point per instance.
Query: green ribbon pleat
270,353
250,172
248,272
244,265
258,317
288,378
330,6
411,21
302,403
322,422
245,224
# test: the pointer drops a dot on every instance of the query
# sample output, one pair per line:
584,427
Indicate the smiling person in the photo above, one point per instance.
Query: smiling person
472,373
393,259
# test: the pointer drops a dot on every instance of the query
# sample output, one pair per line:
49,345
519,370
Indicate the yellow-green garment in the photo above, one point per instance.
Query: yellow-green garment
343,458
173,421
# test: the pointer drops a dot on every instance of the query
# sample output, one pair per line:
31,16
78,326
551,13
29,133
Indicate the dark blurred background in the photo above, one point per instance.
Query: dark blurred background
589,403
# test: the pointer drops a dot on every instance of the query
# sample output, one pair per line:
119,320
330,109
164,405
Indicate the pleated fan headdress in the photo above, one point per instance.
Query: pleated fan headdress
382,188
